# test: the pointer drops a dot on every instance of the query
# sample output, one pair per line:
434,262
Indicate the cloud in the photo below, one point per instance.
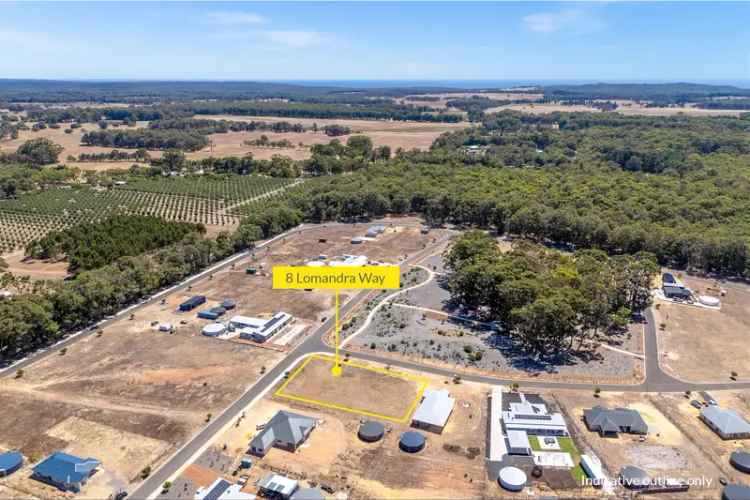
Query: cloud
577,21
294,38
229,17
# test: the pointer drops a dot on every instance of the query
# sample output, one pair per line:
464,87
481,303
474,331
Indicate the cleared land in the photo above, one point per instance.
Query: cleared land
352,391
625,107
71,144
450,466
669,451
700,344
396,134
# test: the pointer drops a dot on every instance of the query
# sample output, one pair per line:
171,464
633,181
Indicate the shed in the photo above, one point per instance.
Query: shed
634,478
676,292
228,304
371,431
10,462
308,494
740,460
668,278
433,411
593,469
512,478
213,330
67,472
412,442
192,302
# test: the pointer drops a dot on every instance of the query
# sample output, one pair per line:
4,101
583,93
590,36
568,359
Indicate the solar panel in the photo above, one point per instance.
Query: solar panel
217,490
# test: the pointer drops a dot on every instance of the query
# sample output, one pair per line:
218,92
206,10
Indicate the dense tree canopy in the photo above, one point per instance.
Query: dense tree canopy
546,298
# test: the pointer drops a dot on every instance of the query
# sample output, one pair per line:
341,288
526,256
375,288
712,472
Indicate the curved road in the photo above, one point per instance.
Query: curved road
656,380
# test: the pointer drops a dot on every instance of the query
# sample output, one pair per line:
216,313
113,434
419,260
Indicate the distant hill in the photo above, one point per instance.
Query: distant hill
645,91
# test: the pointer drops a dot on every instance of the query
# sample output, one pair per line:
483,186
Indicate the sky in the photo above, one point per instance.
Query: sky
611,41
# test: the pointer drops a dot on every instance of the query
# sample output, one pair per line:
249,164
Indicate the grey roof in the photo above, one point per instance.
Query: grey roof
617,420
284,426
435,408
634,477
726,421
308,494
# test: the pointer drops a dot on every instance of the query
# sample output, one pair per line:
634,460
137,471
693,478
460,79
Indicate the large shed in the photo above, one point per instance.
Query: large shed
433,411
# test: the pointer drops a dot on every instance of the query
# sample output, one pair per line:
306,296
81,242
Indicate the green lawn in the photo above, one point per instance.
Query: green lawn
567,445
534,442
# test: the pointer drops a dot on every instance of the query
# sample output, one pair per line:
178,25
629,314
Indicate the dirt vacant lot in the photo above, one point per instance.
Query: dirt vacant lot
669,451
700,344
359,389
450,466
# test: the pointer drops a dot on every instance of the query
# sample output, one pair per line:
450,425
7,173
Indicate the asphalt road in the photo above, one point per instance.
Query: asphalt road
656,380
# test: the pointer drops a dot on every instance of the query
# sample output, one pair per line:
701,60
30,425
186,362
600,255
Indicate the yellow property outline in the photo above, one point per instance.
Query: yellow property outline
396,374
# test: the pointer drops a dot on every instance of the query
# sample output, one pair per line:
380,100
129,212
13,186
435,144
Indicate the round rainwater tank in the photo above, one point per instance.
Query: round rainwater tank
736,492
411,442
740,460
10,462
371,431
512,478
707,300
214,329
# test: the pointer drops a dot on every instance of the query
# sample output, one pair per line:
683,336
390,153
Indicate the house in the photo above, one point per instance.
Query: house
676,292
529,413
433,411
277,486
728,424
285,430
266,328
514,417
67,472
610,423
221,489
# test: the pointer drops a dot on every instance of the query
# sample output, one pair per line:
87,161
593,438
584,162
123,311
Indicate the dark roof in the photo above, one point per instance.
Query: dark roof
668,278
66,469
740,460
634,477
676,290
308,494
10,461
284,426
736,492
615,420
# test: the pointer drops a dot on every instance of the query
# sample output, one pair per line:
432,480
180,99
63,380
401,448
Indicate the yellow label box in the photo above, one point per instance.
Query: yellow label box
338,277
